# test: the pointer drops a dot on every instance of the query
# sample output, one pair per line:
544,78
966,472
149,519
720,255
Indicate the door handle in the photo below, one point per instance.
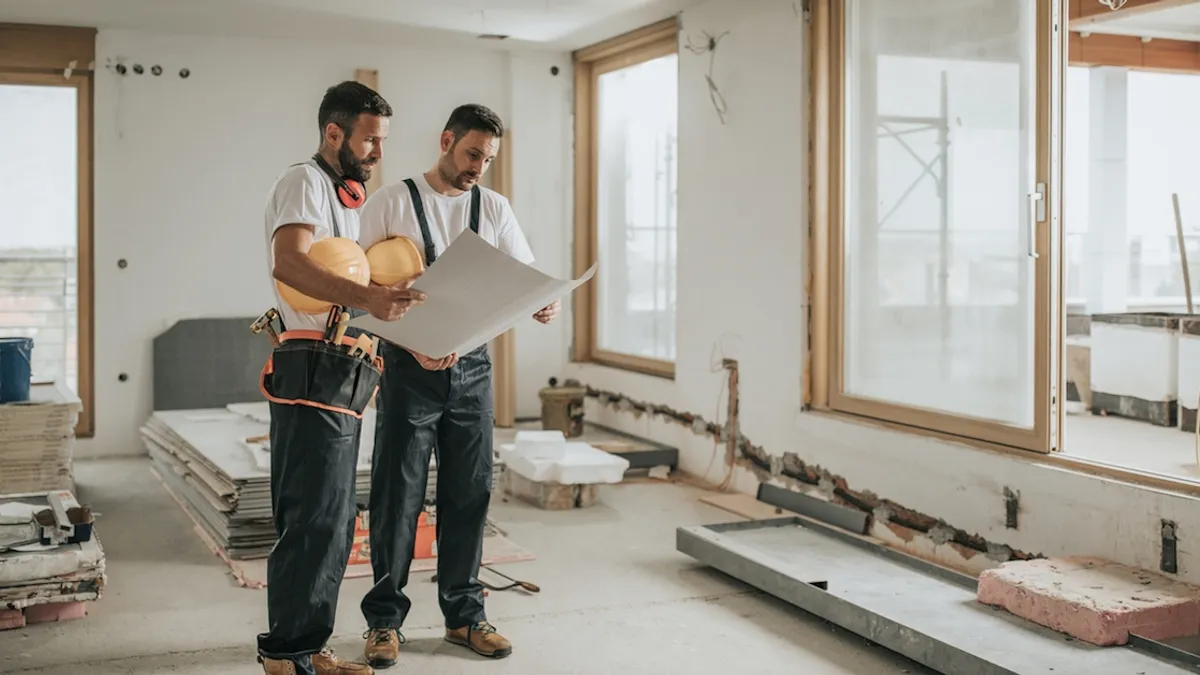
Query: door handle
1037,201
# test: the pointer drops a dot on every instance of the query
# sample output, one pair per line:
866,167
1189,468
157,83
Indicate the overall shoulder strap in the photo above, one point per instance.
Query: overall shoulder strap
475,198
419,209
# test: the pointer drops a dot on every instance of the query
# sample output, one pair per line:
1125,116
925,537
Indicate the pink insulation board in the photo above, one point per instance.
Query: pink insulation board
1094,600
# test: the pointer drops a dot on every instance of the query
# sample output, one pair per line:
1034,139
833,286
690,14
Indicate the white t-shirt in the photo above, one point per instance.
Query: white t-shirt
304,194
389,213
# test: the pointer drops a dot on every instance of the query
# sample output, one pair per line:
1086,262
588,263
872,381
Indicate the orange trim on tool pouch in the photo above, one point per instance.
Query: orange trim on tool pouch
312,335
269,367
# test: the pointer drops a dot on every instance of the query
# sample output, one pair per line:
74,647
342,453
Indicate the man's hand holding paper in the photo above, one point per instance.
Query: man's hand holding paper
473,294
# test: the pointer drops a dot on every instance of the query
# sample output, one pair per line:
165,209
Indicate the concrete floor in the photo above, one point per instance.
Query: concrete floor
616,597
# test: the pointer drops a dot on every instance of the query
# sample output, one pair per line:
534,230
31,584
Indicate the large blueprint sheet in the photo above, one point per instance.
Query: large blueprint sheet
475,293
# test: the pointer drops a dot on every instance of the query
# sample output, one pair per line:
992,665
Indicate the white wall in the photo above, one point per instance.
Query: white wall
183,167
742,219
542,166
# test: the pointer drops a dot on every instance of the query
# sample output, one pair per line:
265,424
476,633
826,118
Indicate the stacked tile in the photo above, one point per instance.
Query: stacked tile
37,441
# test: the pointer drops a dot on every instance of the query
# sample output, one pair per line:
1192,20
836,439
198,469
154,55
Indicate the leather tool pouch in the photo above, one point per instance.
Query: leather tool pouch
320,374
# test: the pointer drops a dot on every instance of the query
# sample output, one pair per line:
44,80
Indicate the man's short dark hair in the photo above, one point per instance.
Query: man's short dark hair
344,102
474,117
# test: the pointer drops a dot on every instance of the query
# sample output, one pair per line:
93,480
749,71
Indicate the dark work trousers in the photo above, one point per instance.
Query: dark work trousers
314,457
448,412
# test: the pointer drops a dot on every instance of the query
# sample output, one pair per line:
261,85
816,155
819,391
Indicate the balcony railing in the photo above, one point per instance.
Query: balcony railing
39,293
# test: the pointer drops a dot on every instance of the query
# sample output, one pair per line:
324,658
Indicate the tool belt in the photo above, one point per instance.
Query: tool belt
309,368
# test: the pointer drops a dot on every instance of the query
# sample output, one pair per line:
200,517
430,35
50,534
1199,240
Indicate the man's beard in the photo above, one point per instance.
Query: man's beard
461,180
352,167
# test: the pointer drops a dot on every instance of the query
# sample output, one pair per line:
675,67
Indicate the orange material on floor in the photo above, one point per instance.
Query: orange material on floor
360,551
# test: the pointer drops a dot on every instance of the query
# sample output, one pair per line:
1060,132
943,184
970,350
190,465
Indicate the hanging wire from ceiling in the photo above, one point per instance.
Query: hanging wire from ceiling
708,44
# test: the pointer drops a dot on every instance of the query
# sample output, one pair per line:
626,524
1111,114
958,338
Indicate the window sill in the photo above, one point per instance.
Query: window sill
630,364
1141,479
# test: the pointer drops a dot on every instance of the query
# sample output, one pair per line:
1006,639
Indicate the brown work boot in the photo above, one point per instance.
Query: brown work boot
277,666
383,646
482,639
326,662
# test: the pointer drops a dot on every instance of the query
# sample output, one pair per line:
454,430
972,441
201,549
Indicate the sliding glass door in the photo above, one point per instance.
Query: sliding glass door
942,210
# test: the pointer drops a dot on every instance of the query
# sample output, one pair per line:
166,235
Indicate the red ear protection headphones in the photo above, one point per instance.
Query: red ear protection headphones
351,193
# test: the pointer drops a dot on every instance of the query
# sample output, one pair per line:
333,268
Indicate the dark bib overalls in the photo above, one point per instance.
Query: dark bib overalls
317,394
447,412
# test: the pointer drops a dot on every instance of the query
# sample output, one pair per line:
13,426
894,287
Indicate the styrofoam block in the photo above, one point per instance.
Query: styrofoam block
580,464
1189,370
549,444
1135,361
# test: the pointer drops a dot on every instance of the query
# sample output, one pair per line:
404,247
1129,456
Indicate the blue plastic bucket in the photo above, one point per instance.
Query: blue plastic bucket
16,369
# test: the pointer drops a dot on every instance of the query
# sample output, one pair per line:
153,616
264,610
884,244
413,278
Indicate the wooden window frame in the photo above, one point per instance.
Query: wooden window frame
504,346
65,56
823,107
653,41
824,385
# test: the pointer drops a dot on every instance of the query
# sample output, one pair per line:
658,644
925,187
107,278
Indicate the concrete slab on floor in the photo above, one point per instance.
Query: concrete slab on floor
615,595
927,613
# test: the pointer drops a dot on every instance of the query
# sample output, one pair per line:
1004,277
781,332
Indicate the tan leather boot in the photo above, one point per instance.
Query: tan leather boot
383,647
277,666
482,639
327,663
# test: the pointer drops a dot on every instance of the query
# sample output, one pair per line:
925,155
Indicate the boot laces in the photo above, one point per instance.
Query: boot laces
384,635
483,628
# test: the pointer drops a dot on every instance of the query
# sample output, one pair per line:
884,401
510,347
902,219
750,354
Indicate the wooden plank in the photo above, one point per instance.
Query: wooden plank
504,347
744,505
47,48
1171,55
1160,55
1109,50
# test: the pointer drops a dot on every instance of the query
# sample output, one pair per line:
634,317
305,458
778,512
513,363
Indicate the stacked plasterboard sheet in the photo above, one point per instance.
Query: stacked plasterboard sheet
37,441
32,574
217,466
205,460
261,412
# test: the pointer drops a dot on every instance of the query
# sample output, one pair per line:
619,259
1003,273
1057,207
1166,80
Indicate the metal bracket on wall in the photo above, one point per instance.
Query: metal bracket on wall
1012,508
1169,562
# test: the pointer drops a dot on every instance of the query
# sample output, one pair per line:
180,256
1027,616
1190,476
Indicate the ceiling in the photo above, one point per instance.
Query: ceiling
542,24
1176,21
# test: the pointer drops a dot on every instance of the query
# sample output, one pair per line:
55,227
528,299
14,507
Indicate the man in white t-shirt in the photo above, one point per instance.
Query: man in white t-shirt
442,405
312,384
